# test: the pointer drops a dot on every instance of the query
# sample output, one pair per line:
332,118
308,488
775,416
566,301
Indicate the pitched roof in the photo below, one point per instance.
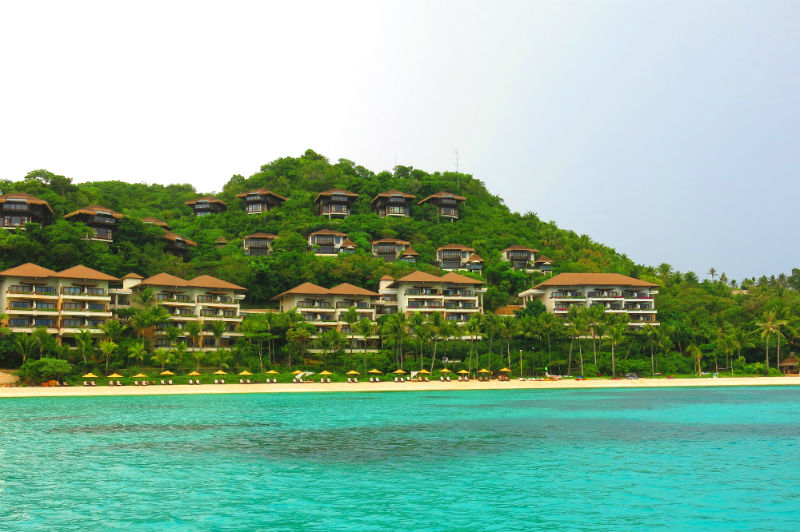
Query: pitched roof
221,240
390,193
387,278
475,258
409,251
261,191
172,237
210,199
132,275
347,289
82,272
453,277
164,279
262,235
520,248
28,269
419,277
207,281
93,210
306,289
442,194
328,232
155,221
459,247
332,191
33,200
348,243
600,279
543,259
391,241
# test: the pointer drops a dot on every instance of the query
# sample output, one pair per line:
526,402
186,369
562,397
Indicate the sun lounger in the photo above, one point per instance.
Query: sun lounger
111,383
371,379
448,378
216,381
119,383
169,382
349,379
241,381
136,383
222,381
92,383
85,383
190,381
329,379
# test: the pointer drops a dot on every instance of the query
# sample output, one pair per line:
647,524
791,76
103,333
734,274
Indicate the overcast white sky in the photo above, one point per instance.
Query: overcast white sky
667,130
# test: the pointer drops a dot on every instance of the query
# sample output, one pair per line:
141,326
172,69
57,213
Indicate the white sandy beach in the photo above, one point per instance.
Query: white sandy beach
32,391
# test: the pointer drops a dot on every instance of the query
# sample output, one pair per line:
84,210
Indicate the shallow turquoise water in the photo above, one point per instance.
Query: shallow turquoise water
639,459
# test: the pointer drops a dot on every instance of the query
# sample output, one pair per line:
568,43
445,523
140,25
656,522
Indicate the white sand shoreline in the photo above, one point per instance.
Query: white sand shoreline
184,389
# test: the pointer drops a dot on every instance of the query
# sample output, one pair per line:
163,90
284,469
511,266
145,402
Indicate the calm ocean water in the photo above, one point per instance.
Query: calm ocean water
629,460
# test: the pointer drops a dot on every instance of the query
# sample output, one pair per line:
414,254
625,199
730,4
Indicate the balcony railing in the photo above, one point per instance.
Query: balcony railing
604,294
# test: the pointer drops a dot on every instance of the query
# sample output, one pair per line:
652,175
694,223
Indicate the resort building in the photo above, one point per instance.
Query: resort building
204,299
207,205
64,303
409,255
520,257
324,308
122,292
220,242
789,365
446,202
335,203
175,244
155,221
614,293
260,200
258,244
457,296
457,257
389,249
392,203
543,264
18,209
101,220
328,243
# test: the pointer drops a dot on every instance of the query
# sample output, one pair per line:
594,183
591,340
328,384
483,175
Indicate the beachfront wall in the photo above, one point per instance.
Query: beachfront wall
63,303
614,293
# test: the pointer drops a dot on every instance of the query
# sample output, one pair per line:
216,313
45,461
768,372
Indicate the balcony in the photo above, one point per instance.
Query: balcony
604,294
326,250
450,265
567,295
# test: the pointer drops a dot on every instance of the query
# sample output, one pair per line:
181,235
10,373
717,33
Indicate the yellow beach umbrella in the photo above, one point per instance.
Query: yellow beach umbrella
194,374
424,372
326,372
504,370
273,372
139,376
399,372
90,376
166,373
445,370
115,376
245,373
375,371
463,372
219,372
296,372
352,372
484,370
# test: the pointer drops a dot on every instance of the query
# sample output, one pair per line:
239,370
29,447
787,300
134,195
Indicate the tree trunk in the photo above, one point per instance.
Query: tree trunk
569,358
613,362
580,352
767,357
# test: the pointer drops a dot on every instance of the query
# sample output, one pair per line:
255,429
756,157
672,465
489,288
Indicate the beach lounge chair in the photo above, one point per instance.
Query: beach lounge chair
111,383
85,383
241,381
162,381
136,383
222,381
190,381
92,383
119,383
329,379
169,382
441,378
216,381
349,379
371,379
275,381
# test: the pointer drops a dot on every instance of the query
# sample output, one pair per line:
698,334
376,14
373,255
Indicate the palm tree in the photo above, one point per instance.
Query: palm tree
180,350
162,357
198,355
350,316
769,325
329,341
419,328
25,345
696,354
256,329
713,273
194,329
365,328
145,319
298,336
41,339
107,347
217,329
618,326
137,351
489,323
394,332
171,335
473,329
437,325
221,358
651,335
85,343
113,330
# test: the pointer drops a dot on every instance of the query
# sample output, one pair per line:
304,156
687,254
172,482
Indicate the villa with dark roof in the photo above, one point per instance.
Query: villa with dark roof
207,205
260,200
392,203
335,203
458,257
258,244
446,203
101,220
18,209
329,243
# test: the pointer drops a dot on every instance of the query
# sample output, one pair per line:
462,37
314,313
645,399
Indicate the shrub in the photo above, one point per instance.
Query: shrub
44,369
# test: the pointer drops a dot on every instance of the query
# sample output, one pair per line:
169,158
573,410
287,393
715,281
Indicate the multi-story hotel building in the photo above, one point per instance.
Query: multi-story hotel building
64,303
457,257
459,297
446,202
258,244
207,205
615,293
260,200
101,220
392,203
18,209
520,257
328,243
335,203
391,249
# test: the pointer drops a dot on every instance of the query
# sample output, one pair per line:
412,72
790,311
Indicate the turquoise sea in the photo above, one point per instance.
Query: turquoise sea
622,459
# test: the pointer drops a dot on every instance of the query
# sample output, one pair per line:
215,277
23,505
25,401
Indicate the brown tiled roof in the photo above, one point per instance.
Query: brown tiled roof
409,251
332,191
33,200
507,310
543,258
791,360
348,243
210,199
520,248
453,277
475,258
155,221
305,289
132,275
391,241
347,289
261,191
221,240
390,193
82,272
28,269
419,277
442,194
600,279
387,278
262,235
164,279
93,210
459,247
172,237
207,281
328,232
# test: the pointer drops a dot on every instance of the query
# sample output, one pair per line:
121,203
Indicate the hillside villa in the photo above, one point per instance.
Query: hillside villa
446,203
18,209
392,203
207,205
335,203
258,244
260,200
101,220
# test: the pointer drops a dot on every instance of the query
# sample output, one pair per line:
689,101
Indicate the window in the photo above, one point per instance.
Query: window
73,323
40,322
96,291
71,290
97,307
19,322
72,306
20,305
96,323
45,305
